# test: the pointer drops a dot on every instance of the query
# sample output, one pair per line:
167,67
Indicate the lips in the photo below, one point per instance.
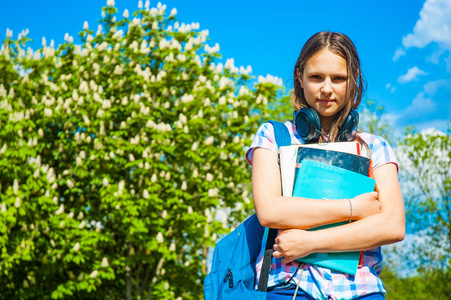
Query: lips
325,101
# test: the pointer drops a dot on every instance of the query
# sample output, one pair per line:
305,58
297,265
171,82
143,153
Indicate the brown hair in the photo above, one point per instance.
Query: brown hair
341,45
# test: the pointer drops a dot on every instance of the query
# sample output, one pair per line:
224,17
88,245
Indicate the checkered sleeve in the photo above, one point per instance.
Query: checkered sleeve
264,138
381,152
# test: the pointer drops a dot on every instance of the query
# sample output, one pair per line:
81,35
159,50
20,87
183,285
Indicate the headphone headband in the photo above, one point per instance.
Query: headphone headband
308,125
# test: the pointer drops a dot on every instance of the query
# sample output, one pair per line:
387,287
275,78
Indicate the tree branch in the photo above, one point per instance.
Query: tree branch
128,289
144,282
155,277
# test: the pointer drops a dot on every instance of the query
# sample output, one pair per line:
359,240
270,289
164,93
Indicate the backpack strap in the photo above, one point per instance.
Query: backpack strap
281,134
283,138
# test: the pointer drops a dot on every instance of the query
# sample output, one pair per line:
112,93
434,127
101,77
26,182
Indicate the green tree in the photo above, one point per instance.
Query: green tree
372,120
425,174
424,285
115,156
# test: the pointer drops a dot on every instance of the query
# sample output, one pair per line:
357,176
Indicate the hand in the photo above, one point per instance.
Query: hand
365,205
291,244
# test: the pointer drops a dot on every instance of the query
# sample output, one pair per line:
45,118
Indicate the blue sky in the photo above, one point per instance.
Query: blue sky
404,46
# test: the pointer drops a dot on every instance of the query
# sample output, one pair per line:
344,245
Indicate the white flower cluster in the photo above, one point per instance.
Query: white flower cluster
261,99
23,33
118,34
226,82
270,79
213,49
17,116
431,132
213,192
246,70
125,14
4,148
230,64
209,177
103,46
218,69
160,238
70,184
68,38
15,186
60,210
105,263
209,140
48,51
9,33
188,27
186,98
244,91
164,127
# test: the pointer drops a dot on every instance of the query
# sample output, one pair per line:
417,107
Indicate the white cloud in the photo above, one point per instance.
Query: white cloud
431,87
434,25
441,124
448,63
420,106
392,89
391,118
400,52
435,56
411,74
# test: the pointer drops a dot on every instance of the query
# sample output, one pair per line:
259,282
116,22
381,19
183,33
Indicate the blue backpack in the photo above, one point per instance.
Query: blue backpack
233,274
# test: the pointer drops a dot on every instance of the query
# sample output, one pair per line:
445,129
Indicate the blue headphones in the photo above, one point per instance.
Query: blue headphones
308,125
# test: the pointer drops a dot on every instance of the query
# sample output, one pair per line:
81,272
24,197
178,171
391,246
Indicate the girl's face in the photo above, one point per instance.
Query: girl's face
324,82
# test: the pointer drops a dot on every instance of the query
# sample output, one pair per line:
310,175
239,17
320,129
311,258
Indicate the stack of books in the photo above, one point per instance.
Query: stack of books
326,171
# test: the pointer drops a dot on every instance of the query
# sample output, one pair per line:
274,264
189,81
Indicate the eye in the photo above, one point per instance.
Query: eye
315,77
340,78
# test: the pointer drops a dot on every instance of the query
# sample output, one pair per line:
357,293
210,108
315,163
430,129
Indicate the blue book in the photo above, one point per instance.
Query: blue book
317,181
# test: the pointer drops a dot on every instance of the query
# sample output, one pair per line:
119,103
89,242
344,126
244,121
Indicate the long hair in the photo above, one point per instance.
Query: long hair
356,84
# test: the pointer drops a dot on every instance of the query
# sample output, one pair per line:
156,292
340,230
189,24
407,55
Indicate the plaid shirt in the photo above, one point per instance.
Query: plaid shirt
324,283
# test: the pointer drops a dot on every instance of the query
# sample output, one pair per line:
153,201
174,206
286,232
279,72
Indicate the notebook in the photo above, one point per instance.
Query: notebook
317,180
289,159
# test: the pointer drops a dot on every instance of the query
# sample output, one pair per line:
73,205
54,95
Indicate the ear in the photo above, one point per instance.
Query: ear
299,76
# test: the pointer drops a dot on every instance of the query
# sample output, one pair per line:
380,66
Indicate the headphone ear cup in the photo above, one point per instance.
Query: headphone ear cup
308,124
348,129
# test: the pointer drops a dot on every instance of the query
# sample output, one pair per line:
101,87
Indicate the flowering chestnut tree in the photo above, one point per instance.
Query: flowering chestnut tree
426,181
116,154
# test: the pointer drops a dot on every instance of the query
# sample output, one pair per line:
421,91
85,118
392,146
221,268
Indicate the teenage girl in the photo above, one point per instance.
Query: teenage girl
328,79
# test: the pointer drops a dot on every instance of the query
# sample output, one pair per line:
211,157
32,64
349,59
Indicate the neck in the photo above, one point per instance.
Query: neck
326,124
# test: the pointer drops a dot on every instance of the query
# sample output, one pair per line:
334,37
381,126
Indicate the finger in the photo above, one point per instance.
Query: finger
277,254
282,231
286,260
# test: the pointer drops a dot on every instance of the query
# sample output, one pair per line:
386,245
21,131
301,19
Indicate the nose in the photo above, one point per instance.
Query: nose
327,87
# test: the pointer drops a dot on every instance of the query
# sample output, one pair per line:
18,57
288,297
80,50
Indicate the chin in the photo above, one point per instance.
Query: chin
327,113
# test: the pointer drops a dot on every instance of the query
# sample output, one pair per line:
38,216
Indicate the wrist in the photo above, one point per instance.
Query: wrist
313,241
318,241
356,211
350,210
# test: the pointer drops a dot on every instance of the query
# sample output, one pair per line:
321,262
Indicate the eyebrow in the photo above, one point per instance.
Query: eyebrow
320,73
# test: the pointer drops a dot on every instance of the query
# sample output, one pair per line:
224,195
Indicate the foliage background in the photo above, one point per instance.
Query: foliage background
122,161
116,154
